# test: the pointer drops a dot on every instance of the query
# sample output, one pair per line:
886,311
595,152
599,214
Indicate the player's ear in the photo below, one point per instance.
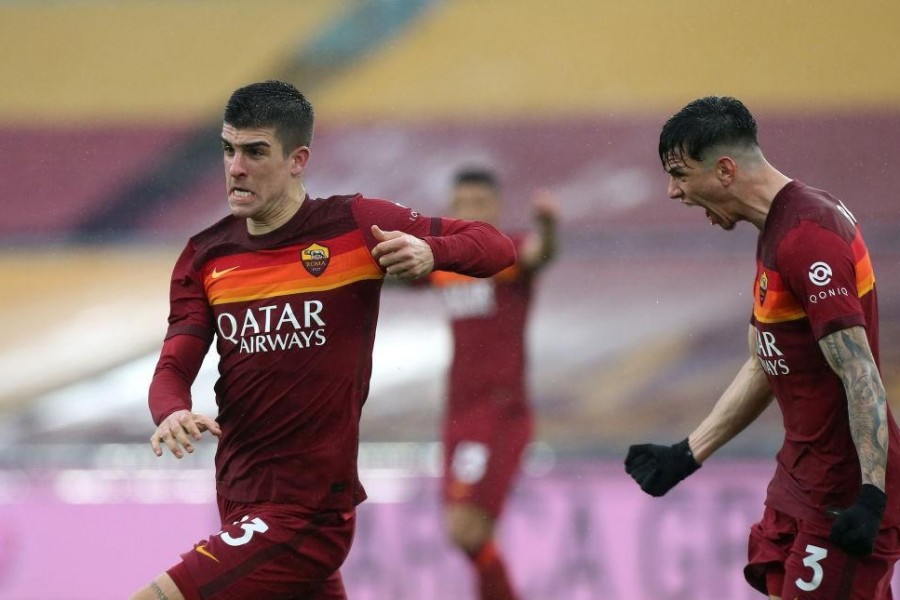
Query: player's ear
726,168
299,157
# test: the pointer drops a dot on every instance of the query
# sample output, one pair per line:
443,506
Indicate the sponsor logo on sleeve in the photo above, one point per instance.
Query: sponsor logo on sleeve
315,259
820,273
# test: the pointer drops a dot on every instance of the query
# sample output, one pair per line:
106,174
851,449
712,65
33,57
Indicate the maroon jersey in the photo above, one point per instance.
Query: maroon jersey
294,313
814,277
488,321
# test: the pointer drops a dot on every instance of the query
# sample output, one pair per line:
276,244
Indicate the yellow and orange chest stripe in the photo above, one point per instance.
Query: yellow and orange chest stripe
774,303
297,269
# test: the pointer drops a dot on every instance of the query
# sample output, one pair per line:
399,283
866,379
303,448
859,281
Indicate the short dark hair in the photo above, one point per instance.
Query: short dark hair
275,104
704,123
477,175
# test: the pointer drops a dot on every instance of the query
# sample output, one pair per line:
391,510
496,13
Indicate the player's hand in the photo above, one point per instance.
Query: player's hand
856,528
544,205
177,430
657,469
402,255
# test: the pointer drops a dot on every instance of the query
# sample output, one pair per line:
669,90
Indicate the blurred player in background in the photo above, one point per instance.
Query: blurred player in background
289,286
488,421
830,526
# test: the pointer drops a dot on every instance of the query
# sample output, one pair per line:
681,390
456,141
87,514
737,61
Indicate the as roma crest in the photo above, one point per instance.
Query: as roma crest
763,287
315,259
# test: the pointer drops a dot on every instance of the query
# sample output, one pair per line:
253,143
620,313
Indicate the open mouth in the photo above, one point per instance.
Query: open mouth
240,193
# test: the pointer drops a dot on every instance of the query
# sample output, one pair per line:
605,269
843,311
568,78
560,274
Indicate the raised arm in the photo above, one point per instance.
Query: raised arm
657,469
540,246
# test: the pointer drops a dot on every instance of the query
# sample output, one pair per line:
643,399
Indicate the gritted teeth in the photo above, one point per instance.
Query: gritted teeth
240,192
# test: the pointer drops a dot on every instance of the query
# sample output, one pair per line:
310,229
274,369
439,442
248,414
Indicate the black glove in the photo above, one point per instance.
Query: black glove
658,468
856,528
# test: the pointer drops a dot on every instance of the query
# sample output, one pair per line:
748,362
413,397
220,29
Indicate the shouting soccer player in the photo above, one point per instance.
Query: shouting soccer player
289,287
830,526
488,421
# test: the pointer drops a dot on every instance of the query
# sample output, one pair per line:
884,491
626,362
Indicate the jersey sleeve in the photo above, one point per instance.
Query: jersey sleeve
468,247
177,368
189,310
819,269
188,337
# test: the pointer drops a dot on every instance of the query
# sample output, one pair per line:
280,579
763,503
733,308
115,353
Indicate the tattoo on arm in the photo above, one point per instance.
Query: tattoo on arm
160,595
849,355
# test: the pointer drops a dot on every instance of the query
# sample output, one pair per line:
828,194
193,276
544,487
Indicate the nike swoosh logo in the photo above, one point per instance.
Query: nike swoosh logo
202,550
216,273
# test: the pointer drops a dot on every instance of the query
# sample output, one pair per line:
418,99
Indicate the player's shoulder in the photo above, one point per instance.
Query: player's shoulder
803,210
333,204
366,203
223,230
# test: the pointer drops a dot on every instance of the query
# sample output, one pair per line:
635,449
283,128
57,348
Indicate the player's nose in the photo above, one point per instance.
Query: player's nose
236,165
674,191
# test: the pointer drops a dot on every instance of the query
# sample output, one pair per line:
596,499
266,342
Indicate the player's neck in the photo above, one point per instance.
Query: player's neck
280,214
760,192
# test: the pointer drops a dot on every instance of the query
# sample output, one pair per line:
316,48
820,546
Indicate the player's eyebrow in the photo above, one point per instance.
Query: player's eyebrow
248,145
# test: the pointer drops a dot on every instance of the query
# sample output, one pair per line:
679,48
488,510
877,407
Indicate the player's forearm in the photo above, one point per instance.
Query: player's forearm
547,233
746,398
471,248
848,353
542,246
866,402
178,366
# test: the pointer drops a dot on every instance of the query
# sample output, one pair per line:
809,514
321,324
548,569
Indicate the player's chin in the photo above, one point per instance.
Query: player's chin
242,210
726,225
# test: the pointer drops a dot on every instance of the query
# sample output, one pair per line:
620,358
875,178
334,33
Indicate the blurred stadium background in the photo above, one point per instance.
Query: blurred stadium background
109,160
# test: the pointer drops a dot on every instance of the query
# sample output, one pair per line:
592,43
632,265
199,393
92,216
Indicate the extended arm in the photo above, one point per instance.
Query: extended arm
847,352
743,401
657,469
408,245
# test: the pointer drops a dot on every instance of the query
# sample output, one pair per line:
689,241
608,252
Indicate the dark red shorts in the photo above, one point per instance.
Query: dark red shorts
791,558
268,551
481,461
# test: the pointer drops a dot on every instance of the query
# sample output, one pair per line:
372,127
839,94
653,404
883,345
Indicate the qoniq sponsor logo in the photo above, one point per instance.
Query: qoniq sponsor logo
820,274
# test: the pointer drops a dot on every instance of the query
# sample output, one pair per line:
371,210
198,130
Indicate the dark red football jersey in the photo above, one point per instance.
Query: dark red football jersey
488,319
293,312
814,277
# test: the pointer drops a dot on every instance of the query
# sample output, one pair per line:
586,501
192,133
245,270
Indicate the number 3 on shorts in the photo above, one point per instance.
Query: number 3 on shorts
249,528
816,555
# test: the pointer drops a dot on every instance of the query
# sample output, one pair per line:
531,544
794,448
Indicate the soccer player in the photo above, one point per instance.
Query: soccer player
488,421
289,287
830,526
